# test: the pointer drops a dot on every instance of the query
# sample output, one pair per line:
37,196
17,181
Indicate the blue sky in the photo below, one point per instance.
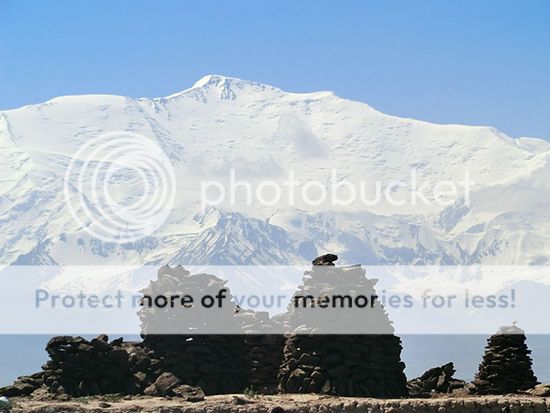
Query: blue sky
473,62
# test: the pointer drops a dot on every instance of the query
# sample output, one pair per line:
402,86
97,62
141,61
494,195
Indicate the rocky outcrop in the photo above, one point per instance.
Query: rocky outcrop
506,365
436,380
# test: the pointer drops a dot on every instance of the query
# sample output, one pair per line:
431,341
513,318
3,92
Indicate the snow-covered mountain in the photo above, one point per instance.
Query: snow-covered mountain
263,133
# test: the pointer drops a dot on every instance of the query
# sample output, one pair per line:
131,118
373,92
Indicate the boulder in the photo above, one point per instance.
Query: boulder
189,393
165,383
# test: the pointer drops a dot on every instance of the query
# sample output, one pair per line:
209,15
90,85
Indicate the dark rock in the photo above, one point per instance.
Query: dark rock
327,259
117,342
17,389
437,379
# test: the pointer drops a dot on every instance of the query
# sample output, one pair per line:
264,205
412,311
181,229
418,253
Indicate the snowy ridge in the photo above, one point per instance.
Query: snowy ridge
262,133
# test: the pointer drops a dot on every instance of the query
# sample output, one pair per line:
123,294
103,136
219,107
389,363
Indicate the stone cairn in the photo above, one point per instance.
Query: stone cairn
265,351
194,352
506,365
362,364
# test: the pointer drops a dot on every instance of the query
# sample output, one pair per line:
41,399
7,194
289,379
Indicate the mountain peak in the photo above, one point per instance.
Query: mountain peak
214,80
228,88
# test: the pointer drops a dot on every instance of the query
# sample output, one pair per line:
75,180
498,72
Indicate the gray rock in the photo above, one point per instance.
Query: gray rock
189,393
150,390
165,383
540,390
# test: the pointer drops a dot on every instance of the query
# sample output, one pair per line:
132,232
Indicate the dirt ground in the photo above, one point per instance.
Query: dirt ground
290,403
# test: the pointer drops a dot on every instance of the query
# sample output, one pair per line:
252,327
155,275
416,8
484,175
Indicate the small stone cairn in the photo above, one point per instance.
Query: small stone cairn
362,364
506,365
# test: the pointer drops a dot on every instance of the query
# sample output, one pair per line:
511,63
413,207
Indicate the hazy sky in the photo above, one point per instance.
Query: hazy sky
472,62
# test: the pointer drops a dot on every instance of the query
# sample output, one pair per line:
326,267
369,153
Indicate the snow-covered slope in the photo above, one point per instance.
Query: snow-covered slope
263,133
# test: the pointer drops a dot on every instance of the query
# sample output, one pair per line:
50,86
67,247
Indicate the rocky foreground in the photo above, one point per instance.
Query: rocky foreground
289,403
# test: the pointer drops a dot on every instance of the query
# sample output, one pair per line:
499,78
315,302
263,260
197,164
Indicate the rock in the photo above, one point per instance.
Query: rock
327,259
103,337
104,405
41,394
117,342
165,383
437,379
150,390
242,401
540,390
140,377
189,393
17,389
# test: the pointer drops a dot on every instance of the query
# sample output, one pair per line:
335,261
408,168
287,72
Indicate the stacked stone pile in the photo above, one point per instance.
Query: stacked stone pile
78,367
344,365
265,351
506,365
436,380
317,360
81,368
194,352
